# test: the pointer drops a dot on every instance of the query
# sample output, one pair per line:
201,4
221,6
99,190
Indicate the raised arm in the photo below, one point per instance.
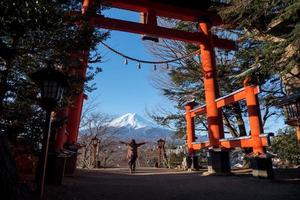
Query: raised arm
123,142
140,144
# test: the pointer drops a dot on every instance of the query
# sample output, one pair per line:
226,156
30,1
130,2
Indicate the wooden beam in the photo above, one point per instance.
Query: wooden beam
166,10
157,31
198,111
200,145
243,142
224,101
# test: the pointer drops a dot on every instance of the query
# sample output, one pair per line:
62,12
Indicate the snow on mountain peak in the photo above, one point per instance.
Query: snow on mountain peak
131,120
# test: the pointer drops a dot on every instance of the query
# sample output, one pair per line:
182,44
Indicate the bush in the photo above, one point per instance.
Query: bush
176,159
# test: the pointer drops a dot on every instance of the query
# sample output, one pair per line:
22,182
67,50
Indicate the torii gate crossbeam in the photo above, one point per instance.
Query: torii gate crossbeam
160,32
189,10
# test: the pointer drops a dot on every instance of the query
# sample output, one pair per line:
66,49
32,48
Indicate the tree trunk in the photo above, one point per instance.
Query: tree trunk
226,122
240,121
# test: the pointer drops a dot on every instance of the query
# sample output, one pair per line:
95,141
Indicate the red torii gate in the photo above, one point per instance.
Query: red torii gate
219,146
249,94
194,11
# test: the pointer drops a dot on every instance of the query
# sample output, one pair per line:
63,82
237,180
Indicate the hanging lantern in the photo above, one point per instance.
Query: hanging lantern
167,66
291,108
139,66
154,67
125,61
52,83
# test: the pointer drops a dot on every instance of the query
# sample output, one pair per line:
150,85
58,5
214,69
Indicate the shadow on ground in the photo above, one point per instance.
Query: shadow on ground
164,184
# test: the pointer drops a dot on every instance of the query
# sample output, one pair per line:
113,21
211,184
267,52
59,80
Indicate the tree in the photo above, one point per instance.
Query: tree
285,146
96,125
273,27
34,33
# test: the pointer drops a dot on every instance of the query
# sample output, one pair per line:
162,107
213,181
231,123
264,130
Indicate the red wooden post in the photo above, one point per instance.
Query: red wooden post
76,108
190,127
261,164
214,116
74,119
254,119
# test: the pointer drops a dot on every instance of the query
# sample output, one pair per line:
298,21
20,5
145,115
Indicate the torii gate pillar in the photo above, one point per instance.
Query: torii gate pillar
192,159
261,164
218,159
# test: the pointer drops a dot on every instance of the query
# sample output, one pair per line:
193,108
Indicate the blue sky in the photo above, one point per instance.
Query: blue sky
124,88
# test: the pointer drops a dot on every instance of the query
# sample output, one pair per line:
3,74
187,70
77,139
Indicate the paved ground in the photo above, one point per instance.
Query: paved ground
163,184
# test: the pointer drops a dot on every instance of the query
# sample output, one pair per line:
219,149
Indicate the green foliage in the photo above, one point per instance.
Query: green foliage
32,34
286,147
273,25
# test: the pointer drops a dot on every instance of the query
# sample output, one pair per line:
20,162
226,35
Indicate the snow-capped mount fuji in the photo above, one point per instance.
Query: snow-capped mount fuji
131,120
134,126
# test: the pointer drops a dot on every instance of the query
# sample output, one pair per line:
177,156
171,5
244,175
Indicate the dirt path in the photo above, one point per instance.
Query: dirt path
162,184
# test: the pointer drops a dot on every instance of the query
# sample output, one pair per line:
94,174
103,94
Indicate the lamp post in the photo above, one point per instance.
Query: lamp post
95,142
51,83
291,108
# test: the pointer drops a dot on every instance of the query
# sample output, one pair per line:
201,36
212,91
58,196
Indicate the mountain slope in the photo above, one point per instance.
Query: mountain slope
131,120
133,126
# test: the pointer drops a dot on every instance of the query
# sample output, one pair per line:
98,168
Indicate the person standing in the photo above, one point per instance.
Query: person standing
132,153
